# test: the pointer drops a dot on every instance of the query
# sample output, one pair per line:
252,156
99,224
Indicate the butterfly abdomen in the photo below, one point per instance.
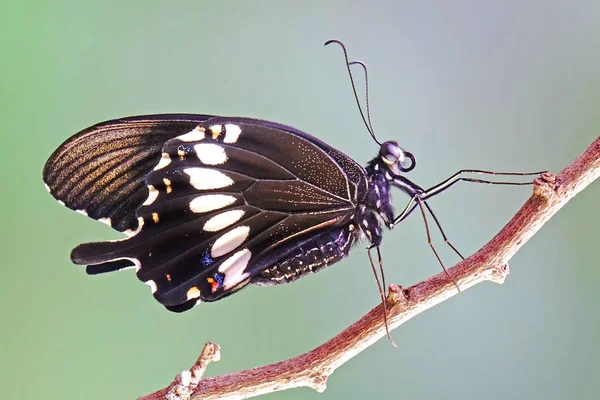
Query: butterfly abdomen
324,250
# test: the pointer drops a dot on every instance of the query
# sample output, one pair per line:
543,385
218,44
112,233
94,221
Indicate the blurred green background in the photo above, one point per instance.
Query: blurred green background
513,85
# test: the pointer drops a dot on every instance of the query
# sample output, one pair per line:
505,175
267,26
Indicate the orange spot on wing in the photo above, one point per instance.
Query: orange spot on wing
214,285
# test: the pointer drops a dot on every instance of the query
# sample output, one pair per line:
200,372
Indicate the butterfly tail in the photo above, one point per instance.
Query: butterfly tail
101,257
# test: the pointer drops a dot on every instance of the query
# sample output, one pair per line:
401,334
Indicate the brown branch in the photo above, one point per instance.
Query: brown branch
489,264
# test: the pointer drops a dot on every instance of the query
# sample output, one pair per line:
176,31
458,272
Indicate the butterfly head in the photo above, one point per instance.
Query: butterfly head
396,159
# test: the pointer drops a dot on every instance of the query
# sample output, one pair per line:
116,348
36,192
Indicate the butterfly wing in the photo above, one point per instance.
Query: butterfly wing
226,200
100,171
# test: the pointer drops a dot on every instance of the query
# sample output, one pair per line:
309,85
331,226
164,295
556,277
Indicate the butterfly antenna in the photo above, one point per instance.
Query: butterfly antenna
348,63
364,67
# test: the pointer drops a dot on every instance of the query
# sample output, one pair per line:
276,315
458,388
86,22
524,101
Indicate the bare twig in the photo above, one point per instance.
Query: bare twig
488,264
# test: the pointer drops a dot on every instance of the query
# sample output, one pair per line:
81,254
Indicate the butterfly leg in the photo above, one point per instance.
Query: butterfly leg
457,177
417,201
414,191
430,243
382,289
442,231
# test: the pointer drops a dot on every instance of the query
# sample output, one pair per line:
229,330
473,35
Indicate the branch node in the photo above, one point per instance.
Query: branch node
397,295
187,381
500,273
546,185
319,383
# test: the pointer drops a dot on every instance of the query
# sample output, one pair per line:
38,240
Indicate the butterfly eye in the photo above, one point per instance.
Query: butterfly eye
390,153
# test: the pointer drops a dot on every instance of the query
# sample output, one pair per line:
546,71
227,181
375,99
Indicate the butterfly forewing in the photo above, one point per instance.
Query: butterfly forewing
226,200
101,171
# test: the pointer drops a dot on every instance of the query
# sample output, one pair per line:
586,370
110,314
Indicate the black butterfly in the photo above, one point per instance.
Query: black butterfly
213,203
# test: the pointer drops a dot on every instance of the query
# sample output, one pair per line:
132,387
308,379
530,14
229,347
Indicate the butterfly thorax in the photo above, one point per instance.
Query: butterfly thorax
377,203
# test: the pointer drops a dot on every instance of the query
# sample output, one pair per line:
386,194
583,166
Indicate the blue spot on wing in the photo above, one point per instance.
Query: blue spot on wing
206,260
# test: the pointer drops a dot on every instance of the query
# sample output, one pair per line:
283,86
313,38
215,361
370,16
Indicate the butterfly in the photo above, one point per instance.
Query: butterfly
211,204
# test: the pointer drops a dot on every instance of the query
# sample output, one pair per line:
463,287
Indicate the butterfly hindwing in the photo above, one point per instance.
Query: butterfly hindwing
226,200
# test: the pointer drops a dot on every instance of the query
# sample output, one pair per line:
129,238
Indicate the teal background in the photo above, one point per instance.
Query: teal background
511,85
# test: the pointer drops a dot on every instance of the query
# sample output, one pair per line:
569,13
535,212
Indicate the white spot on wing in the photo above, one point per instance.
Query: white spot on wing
165,160
152,195
131,233
152,285
106,221
230,241
205,179
234,267
62,203
223,220
210,153
82,212
210,202
193,136
232,133
47,188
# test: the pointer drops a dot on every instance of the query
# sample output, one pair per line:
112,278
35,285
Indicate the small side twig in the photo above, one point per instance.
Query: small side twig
187,381
313,368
